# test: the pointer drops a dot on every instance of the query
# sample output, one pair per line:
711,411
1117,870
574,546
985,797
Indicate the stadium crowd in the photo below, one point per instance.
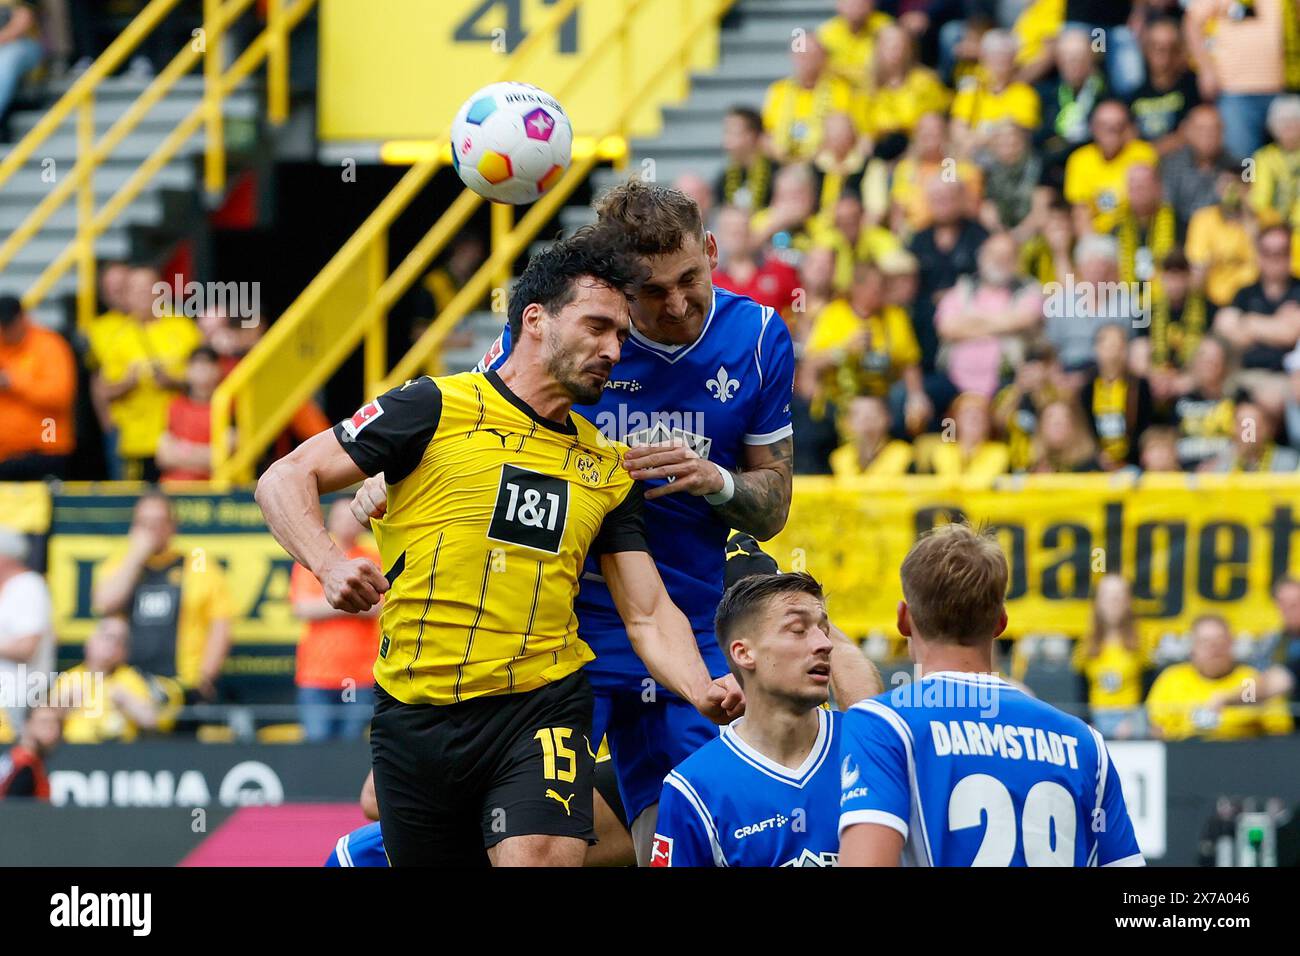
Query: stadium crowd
1053,237
1043,253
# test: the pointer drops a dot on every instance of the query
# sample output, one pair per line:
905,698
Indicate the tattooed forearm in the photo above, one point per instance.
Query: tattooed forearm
762,500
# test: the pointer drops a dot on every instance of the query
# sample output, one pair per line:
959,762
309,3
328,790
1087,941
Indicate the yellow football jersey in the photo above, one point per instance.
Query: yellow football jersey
492,510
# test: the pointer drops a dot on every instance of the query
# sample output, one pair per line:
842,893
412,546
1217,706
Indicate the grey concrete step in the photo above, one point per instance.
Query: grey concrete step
134,148
18,276
775,46
27,188
43,250
166,113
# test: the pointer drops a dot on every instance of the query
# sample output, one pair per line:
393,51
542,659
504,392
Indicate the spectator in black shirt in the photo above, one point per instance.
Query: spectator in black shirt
1192,171
1116,403
1264,319
1069,99
945,251
1205,411
1161,103
1124,66
746,180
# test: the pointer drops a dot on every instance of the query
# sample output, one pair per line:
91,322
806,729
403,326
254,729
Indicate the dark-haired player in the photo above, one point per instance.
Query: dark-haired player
766,793
496,494
702,392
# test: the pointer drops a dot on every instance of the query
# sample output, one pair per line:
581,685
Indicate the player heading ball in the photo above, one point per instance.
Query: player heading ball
496,494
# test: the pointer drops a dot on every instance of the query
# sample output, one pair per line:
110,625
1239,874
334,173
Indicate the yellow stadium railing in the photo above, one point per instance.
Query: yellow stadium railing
270,46
347,304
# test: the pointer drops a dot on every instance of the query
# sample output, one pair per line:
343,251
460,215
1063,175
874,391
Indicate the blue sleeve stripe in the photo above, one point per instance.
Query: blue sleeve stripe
683,786
904,732
341,848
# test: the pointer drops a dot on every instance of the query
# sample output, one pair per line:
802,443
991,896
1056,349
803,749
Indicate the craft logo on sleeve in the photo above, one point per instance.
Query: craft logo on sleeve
366,414
76,909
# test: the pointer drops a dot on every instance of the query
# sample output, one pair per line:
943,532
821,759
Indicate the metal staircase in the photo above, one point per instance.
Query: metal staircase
755,51
31,183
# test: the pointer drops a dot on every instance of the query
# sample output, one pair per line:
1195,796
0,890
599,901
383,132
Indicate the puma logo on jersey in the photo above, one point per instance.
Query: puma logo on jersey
563,802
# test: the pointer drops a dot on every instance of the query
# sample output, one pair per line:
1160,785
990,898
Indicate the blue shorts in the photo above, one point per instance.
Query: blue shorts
646,740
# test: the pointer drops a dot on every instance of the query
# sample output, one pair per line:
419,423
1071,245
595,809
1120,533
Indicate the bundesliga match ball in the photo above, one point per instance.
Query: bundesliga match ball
510,142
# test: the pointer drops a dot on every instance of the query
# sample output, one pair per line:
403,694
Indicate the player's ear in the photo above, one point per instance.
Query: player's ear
532,317
742,655
1002,622
904,620
711,250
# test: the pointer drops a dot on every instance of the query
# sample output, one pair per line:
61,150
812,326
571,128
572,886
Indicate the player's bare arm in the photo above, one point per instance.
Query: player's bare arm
760,502
853,676
662,637
870,844
289,496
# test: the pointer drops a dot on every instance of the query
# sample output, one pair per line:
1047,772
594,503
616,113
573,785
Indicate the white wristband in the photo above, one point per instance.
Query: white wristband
728,488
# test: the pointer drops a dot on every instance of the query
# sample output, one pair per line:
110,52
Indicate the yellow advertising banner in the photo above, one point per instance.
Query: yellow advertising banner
25,506
228,530
1187,544
400,69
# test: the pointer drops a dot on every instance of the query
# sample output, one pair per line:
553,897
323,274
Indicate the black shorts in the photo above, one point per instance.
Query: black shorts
455,779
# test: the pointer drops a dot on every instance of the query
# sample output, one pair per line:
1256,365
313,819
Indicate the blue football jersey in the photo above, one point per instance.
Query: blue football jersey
731,387
364,846
972,771
728,805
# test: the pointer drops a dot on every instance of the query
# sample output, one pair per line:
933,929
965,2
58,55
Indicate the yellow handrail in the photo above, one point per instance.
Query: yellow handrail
270,45
258,427
473,291
263,416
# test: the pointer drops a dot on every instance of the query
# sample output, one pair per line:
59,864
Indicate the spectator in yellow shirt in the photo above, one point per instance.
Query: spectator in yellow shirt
795,108
1219,241
1212,697
850,38
929,157
1096,175
113,701
1275,196
863,347
993,96
869,450
1036,27
141,368
900,91
1110,660
965,448
857,240
791,224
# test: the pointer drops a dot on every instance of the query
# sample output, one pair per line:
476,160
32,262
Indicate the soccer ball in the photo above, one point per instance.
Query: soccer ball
510,142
